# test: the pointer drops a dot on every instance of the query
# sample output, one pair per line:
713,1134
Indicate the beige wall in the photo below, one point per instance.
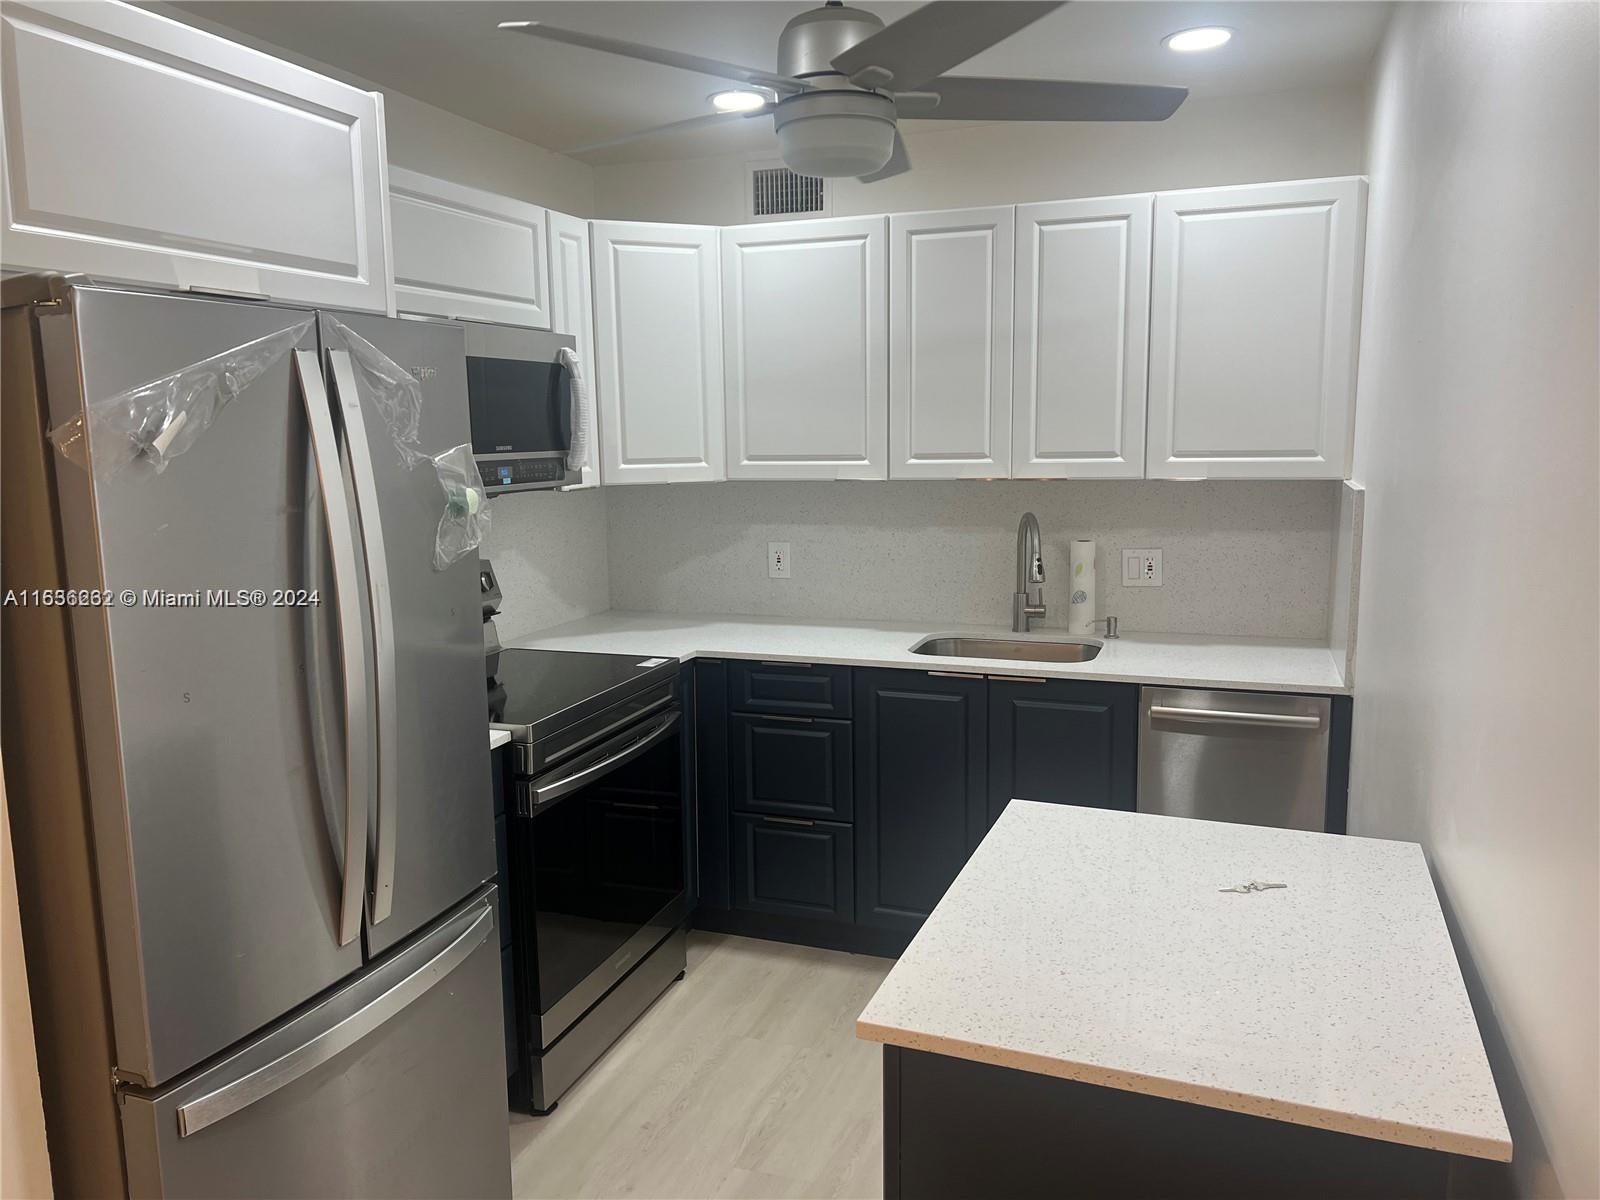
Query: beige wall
1236,139
1475,707
24,1156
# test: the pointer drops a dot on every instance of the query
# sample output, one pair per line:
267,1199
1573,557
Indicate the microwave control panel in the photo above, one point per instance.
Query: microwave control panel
508,473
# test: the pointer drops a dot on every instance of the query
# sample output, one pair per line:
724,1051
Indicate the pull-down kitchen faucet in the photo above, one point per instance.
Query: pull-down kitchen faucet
1027,601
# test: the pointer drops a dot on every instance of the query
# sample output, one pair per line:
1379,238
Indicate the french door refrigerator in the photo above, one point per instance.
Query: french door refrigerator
282,736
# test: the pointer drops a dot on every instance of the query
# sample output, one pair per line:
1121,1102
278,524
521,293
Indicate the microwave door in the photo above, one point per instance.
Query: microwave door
521,403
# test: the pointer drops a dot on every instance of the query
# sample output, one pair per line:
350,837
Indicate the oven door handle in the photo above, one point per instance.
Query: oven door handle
659,730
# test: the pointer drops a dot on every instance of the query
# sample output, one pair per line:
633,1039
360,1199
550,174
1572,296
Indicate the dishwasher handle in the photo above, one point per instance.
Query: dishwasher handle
1219,716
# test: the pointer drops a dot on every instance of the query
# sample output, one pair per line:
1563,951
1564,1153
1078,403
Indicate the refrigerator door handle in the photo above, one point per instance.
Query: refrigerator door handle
371,523
352,642
260,1083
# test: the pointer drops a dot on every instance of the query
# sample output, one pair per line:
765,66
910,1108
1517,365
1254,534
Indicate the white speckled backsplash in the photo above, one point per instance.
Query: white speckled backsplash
1240,558
549,552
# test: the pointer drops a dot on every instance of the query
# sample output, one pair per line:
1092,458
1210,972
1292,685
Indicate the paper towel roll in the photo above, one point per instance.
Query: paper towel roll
1081,602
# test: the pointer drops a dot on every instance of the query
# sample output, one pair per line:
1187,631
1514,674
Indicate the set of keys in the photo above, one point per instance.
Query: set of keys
1255,885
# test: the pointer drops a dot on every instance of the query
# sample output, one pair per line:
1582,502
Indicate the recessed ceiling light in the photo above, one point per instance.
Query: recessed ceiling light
737,100
1206,37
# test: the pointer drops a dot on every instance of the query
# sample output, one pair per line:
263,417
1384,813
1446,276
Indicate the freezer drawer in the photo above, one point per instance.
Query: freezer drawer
392,1085
1254,758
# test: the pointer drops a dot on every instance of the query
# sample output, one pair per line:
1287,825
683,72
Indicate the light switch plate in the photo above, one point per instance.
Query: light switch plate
1141,568
777,560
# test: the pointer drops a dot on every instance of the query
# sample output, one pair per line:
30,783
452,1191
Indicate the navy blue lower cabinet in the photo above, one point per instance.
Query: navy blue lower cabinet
710,794
790,767
1062,741
920,775
793,867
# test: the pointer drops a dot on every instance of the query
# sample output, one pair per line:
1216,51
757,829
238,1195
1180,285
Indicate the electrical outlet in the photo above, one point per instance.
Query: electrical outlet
777,560
1141,568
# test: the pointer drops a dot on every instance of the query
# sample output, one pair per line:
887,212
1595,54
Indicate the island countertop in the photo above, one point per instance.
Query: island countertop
1098,946
1176,660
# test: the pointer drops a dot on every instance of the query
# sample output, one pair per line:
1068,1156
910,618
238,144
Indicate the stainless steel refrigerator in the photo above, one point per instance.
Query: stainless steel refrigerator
280,811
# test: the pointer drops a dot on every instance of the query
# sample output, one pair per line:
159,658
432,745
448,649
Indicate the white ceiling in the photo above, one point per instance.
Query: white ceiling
449,54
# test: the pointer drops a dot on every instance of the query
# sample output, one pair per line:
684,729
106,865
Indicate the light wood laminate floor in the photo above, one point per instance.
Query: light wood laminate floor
745,1079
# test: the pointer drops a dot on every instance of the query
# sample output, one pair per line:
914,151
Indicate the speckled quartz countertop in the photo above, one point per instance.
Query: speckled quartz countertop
1097,946
1262,664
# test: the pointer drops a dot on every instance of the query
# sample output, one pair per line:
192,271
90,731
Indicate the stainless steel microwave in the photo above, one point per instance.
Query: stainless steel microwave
521,400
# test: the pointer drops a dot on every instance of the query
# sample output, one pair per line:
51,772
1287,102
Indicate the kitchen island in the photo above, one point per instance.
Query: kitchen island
1094,1008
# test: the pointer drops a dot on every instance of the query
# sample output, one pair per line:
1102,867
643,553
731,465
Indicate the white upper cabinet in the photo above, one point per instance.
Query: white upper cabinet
950,279
462,252
141,149
572,312
807,355
1082,328
1255,315
658,351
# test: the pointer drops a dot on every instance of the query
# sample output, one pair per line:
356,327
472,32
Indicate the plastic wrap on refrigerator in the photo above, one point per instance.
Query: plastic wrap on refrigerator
464,523
159,420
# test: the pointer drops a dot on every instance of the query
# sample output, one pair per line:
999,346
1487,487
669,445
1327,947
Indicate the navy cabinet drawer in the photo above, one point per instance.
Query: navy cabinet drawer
793,868
792,689
791,767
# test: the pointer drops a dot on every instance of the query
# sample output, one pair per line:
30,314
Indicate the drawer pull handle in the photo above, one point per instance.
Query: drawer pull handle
954,675
1020,678
787,821
765,663
789,720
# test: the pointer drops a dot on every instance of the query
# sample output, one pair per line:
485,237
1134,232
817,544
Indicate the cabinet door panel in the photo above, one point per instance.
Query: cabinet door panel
1083,315
793,868
950,284
794,766
658,341
1063,742
572,312
807,349
1255,314
920,753
462,252
140,148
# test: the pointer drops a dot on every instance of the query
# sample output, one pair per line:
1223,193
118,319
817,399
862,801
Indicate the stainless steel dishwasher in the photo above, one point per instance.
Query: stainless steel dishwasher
1254,758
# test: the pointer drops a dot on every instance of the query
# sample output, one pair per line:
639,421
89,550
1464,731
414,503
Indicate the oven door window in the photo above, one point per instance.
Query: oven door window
608,862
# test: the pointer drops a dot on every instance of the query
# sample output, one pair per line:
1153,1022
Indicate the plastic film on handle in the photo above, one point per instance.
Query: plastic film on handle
393,389
466,507
159,420
398,396
578,450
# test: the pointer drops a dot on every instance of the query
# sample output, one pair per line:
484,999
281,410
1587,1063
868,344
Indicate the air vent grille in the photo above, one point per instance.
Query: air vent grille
778,191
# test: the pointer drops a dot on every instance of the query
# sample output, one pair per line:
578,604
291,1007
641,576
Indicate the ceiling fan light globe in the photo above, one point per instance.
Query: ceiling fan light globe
835,147
835,133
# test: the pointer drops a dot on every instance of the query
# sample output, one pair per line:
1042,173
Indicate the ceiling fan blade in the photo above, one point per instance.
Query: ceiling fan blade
971,98
934,38
899,163
704,121
667,58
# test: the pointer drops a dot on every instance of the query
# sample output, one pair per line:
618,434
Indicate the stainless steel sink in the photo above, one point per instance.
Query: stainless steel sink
1008,648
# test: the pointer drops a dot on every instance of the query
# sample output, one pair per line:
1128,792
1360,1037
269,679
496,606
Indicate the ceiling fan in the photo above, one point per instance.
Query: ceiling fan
844,78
